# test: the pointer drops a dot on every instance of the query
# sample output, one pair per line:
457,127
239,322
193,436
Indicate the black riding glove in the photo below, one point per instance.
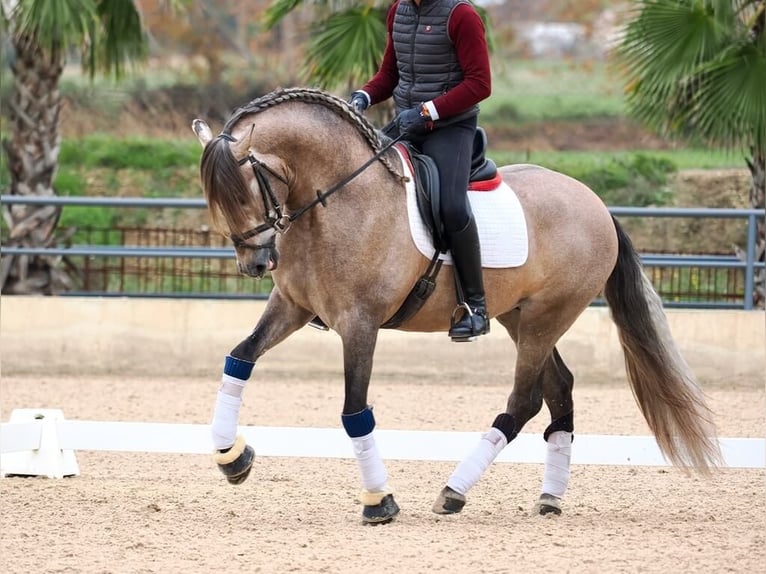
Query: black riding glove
415,121
359,101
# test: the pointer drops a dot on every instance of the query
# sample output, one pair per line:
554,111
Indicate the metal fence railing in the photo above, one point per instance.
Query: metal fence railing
151,262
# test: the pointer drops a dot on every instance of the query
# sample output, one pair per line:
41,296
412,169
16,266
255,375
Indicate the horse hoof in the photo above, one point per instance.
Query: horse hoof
449,502
382,513
548,504
236,462
238,471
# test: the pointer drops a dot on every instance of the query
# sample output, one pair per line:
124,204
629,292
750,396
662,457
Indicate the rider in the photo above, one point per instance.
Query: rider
436,67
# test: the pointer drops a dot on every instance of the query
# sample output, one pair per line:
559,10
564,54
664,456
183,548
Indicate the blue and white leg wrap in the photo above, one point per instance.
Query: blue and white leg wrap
359,427
226,415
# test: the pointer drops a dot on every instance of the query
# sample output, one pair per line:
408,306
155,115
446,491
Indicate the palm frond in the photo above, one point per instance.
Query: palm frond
278,10
693,68
346,47
668,39
730,103
119,39
55,25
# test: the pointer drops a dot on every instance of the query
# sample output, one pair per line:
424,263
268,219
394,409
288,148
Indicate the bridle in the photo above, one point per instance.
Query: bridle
275,218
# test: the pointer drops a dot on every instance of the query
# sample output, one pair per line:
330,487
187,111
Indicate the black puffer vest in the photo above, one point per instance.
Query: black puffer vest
426,58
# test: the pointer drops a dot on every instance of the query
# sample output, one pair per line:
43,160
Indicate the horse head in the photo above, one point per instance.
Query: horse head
244,191
246,180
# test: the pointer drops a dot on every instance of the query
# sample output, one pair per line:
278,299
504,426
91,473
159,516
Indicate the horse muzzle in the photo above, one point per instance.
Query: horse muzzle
258,261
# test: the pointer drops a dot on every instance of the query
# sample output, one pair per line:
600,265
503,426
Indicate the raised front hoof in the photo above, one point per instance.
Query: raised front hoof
548,504
449,502
236,462
237,472
382,513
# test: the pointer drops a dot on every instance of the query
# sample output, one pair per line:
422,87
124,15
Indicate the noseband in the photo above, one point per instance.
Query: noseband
276,219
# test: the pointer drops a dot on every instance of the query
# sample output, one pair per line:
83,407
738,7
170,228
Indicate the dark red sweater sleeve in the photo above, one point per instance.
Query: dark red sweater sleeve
466,31
382,84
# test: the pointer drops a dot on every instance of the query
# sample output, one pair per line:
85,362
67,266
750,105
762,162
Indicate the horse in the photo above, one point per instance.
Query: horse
308,190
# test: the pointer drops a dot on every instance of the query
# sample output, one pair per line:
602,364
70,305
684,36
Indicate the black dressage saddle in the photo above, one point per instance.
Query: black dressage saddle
427,183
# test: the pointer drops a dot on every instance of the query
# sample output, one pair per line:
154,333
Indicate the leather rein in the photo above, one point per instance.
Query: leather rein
275,216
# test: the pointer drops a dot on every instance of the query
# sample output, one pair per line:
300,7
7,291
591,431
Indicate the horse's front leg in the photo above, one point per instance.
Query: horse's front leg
280,319
376,496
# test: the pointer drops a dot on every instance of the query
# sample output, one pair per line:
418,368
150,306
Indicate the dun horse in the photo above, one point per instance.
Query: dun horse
309,191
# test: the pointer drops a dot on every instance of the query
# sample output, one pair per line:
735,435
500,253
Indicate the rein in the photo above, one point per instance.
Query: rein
281,222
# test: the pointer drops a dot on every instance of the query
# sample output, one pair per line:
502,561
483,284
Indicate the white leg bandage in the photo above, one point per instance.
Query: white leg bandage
226,414
374,474
557,458
469,471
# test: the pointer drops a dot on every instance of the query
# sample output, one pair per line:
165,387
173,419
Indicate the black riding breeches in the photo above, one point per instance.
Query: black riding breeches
451,147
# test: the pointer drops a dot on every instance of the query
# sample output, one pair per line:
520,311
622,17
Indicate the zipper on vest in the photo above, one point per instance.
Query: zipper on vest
412,55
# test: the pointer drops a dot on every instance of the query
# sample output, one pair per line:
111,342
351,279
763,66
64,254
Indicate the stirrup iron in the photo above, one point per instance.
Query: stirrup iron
318,324
464,311
462,306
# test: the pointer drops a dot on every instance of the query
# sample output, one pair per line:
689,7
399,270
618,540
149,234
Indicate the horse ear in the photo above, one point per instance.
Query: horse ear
241,147
203,131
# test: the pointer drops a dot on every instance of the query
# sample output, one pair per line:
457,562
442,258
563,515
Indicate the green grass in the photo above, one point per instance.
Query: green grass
103,150
538,90
681,158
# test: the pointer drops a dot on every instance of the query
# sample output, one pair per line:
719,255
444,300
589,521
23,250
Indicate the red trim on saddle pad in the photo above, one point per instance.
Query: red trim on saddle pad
406,155
486,184
483,185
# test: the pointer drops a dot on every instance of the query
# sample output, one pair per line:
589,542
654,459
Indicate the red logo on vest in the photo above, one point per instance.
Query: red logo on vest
428,28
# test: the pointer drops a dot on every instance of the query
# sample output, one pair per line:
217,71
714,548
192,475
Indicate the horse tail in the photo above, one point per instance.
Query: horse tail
226,191
662,383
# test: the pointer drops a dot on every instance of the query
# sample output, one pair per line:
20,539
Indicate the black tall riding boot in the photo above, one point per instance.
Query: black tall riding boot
472,319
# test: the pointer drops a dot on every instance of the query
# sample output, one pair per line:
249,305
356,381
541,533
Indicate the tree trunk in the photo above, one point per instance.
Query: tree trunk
32,151
757,194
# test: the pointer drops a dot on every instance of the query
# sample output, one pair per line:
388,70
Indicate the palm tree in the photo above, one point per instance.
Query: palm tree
346,42
697,69
42,34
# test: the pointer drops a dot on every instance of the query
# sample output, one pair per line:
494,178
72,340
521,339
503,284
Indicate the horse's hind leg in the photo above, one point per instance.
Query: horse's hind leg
557,393
537,369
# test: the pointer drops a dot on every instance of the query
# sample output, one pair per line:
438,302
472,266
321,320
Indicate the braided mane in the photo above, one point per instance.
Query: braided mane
314,96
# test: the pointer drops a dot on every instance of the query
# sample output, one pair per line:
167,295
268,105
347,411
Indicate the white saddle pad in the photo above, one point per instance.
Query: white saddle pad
499,217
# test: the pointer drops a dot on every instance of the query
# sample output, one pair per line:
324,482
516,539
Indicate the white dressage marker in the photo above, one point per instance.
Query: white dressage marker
30,445
45,446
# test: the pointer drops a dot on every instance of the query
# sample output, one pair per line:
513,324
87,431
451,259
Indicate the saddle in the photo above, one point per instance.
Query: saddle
427,183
